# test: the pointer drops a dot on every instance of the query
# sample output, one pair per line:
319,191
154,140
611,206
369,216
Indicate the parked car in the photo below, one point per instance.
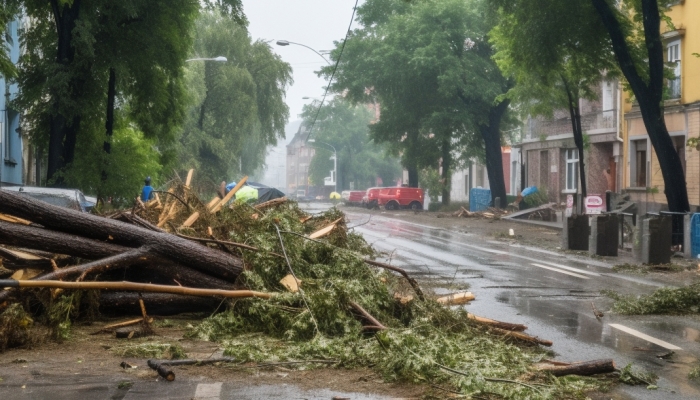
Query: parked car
400,197
352,197
369,200
69,198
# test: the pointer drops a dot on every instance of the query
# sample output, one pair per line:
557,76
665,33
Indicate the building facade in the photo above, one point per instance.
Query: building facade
642,178
299,155
11,168
549,155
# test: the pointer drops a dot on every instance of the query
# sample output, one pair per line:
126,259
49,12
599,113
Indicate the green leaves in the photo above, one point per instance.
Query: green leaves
347,128
236,108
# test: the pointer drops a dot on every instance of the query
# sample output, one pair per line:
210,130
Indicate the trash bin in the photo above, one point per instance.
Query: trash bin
479,199
695,235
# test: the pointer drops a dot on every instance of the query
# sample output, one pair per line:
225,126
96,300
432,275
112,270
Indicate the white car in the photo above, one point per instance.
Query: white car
69,198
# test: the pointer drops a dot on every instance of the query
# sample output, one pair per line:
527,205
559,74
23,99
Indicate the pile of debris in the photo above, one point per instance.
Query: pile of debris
297,287
489,213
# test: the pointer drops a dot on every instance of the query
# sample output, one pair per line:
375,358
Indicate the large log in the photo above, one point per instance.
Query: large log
203,258
127,303
585,368
56,242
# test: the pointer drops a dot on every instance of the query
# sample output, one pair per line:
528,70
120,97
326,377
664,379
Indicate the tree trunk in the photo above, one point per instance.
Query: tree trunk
491,134
446,171
649,95
575,113
109,121
182,251
127,303
585,368
62,130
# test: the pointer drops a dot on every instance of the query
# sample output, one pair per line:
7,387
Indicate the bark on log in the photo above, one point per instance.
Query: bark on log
585,368
56,242
212,261
497,324
127,303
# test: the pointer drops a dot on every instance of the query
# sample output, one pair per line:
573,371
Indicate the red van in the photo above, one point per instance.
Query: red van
400,197
352,197
369,200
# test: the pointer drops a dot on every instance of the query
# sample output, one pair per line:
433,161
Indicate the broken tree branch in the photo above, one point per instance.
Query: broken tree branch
375,324
584,368
135,286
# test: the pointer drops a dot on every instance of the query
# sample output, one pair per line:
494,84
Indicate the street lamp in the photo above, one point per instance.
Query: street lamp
335,162
218,59
287,43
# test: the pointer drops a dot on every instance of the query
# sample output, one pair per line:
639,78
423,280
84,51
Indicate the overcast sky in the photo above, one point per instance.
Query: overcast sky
314,23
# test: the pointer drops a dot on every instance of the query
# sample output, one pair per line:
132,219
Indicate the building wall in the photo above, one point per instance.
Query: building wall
11,163
682,116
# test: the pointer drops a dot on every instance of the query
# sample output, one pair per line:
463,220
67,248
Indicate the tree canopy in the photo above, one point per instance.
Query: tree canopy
237,108
429,65
554,63
633,30
346,127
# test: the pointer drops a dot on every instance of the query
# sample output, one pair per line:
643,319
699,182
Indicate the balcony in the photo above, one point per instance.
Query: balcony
591,123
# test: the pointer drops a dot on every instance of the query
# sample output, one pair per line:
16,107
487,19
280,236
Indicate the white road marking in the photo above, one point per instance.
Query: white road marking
560,271
648,338
208,391
580,271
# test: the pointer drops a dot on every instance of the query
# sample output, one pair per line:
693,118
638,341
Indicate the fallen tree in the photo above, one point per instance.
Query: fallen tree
203,258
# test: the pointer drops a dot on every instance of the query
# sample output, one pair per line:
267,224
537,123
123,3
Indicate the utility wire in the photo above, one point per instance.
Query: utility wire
335,68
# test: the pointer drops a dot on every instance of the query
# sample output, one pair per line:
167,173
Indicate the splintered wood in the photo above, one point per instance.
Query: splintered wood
325,231
292,284
456,298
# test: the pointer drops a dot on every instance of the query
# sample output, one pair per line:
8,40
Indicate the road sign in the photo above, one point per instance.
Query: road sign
594,204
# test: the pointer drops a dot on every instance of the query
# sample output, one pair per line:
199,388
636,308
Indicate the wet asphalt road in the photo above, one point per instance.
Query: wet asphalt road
549,292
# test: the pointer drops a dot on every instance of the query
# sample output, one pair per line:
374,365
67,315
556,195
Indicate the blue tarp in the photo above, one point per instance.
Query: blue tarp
695,235
479,199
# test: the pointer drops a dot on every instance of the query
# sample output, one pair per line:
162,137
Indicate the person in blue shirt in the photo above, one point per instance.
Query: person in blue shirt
147,191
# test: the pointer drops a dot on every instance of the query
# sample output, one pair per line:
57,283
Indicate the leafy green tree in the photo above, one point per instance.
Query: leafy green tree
429,65
84,56
634,32
132,158
8,12
346,127
555,63
237,108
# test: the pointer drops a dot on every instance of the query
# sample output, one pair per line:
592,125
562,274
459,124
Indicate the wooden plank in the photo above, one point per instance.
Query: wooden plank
213,202
456,298
230,195
188,181
324,231
191,220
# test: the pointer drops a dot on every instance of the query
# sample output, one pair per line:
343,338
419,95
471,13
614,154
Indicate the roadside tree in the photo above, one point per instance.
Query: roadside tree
237,107
347,128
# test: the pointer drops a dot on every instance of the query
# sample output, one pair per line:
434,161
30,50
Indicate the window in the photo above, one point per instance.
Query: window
673,57
571,170
638,163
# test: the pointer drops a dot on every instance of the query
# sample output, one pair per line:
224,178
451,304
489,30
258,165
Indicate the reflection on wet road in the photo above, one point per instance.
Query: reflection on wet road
552,293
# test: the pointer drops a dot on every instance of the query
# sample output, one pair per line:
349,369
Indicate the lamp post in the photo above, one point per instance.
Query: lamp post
217,59
287,43
335,162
